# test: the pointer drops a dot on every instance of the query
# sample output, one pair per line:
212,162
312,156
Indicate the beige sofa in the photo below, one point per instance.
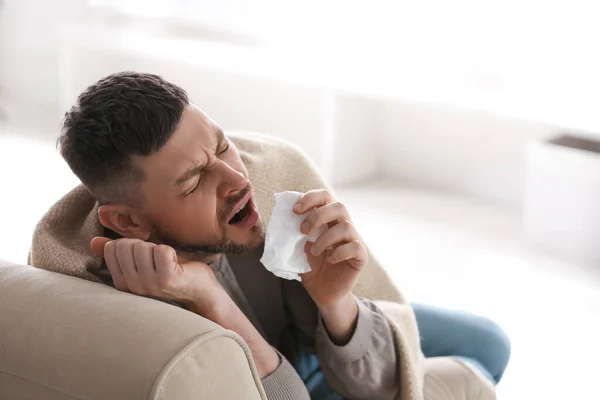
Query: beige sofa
64,338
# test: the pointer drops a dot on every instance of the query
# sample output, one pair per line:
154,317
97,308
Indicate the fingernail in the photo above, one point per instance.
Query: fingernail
304,227
298,207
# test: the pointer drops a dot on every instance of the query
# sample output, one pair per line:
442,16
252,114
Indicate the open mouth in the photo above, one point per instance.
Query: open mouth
246,216
241,214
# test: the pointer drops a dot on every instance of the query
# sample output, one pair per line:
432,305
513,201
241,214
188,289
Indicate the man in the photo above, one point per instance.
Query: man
182,225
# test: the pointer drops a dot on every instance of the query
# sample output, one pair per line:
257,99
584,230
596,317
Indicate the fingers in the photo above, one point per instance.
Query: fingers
353,252
110,255
312,199
124,250
341,233
165,260
308,250
97,244
139,267
143,255
326,214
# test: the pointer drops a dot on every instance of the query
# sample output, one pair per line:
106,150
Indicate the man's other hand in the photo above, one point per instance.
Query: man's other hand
148,269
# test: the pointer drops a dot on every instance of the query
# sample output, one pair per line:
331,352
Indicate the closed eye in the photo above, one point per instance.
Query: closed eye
225,148
196,186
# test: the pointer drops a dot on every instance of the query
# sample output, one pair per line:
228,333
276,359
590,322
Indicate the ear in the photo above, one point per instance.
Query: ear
125,220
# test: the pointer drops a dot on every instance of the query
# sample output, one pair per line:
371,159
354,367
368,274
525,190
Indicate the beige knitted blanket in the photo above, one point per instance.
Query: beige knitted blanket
61,242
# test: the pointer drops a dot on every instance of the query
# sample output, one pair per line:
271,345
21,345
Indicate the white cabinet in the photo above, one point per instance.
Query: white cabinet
562,196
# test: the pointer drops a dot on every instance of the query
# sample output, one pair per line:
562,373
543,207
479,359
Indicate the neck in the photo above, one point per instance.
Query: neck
206,258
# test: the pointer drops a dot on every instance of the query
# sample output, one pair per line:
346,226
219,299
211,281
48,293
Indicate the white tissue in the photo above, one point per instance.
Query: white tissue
284,253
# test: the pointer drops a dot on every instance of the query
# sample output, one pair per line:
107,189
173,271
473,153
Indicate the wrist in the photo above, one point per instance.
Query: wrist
214,306
339,307
340,318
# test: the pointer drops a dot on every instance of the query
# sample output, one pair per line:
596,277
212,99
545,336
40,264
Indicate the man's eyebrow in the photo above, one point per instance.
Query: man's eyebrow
196,169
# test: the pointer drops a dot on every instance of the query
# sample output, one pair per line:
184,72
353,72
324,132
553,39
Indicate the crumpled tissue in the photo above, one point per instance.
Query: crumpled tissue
284,253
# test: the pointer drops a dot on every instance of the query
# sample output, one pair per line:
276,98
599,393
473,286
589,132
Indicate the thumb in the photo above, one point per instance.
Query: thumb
97,244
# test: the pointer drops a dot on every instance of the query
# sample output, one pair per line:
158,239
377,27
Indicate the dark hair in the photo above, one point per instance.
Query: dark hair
124,115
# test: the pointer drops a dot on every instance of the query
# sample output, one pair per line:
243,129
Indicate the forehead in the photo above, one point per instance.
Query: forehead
195,127
190,144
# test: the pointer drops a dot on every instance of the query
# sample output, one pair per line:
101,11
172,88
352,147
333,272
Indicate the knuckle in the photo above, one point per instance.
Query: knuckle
137,249
141,247
121,244
340,207
306,195
159,250
335,254
358,246
317,215
324,239
164,253
128,241
110,246
164,249
348,229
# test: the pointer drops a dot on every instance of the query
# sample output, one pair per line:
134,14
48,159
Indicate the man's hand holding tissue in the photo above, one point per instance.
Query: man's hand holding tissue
335,258
152,270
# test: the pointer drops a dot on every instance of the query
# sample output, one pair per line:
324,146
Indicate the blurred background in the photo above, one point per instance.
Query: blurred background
463,136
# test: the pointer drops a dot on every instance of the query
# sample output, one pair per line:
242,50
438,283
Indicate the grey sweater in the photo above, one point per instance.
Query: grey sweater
364,368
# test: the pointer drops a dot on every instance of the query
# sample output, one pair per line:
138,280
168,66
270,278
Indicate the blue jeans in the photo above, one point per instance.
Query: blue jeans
476,340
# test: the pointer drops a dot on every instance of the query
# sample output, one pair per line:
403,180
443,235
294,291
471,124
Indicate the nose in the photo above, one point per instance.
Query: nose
231,180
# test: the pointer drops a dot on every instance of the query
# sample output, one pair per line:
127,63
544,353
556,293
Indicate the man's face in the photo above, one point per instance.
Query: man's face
194,186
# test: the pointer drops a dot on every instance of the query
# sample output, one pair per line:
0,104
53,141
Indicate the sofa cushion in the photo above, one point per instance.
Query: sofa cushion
66,338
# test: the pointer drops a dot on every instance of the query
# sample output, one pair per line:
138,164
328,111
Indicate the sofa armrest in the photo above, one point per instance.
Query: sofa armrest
65,338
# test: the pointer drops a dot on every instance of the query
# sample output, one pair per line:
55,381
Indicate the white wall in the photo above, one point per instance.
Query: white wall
328,126
351,137
460,150
356,144
29,44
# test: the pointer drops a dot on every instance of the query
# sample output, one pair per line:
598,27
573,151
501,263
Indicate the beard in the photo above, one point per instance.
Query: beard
221,246
216,246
